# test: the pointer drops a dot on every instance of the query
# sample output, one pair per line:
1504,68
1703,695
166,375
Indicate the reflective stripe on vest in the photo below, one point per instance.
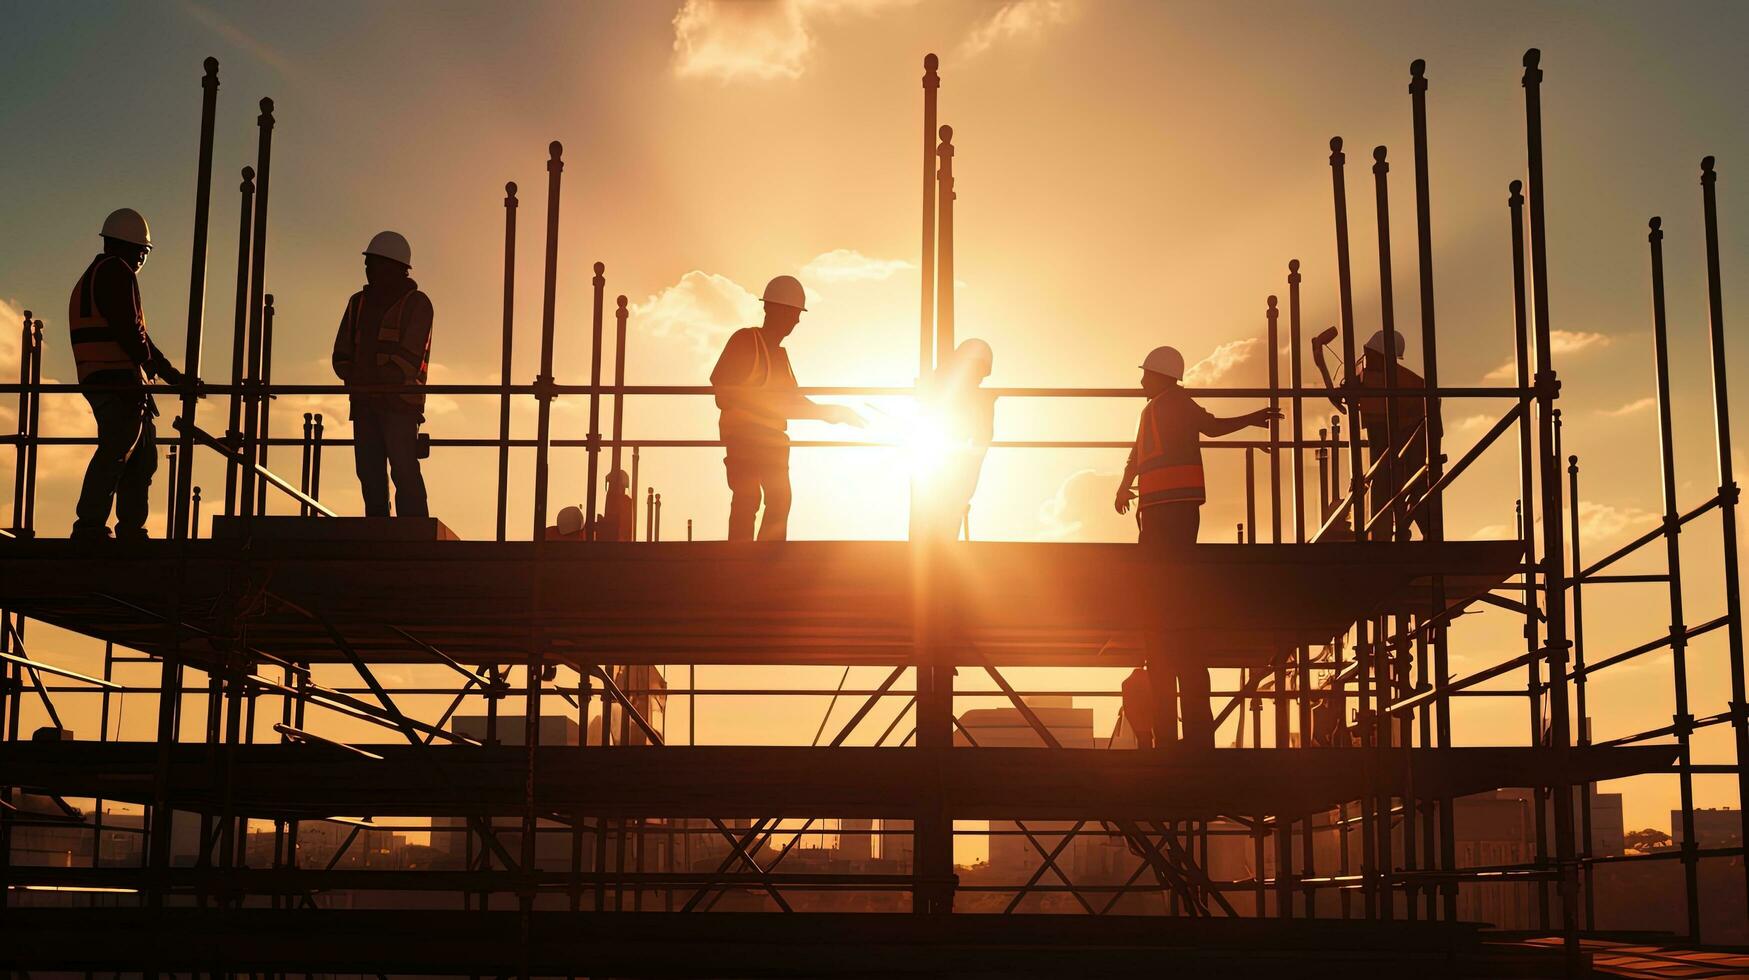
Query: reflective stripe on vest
95,344
414,365
1166,474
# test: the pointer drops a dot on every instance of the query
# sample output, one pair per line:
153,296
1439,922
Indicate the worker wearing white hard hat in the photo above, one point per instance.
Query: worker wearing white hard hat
960,417
114,357
1384,419
384,340
756,391
1167,461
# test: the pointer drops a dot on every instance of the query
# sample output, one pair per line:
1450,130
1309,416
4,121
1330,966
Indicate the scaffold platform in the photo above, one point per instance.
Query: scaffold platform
827,602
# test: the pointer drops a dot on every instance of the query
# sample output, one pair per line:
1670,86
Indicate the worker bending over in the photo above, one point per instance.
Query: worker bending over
756,390
385,339
114,357
1167,460
963,415
1410,431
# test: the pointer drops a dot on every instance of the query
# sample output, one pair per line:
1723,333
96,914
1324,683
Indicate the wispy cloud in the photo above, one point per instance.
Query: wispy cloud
1220,365
1634,407
244,41
1017,20
702,309
756,40
1081,510
1560,342
849,265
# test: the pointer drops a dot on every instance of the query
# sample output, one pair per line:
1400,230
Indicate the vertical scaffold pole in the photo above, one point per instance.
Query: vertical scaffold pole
944,325
1727,488
1391,474
543,435
1683,720
1527,530
1584,733
1273,315
926,267
257,272
599,282
239,335
264,438
620,315
1436,639
504,357
1297,472
203,188
1554,551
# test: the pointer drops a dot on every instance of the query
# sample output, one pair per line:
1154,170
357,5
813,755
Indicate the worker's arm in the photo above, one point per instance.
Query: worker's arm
734,366
1126,487
400,362
1213,426
1318,347
118,301
344,344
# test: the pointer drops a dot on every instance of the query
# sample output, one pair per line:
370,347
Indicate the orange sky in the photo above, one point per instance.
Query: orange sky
1129,174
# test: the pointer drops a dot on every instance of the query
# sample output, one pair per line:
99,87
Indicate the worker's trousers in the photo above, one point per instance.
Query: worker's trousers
758,471
1166,531
384,443
121,469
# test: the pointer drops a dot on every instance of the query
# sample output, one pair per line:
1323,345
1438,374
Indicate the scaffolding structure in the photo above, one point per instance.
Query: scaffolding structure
1339,626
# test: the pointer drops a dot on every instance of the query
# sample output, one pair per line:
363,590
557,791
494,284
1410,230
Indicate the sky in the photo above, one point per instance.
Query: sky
1129,174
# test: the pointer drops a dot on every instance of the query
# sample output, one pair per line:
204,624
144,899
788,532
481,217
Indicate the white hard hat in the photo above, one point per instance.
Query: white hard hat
127,225
390,245
618,478
978,351
1377,342
786,291
1165,360
570,520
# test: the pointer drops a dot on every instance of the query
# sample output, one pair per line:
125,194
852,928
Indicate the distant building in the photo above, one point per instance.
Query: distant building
1713,827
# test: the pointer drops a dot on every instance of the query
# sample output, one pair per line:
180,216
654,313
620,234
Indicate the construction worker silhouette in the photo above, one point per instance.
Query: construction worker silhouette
756,391
1167,460
567,525
1409,431
115,357
385,339
963,416
618,520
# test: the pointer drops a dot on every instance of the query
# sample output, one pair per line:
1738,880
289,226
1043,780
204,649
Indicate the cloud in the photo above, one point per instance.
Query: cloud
1017,20
1560,342
61,415
1599,524
702,309
1219,365
1634,407
1081,510
849,265
758,40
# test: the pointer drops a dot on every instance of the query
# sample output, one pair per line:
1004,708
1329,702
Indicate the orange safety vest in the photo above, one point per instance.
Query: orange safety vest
760,376
389,347
95,344
1168,460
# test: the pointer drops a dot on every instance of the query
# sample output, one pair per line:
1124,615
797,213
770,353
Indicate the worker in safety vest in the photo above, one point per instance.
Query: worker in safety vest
1167,460
1408,428
756,391
115,357
957,424
385,339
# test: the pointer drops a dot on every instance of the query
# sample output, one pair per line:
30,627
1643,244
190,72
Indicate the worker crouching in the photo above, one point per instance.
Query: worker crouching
385,339
1167,461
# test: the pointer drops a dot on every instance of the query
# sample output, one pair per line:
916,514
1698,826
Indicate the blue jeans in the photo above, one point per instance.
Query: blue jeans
386,442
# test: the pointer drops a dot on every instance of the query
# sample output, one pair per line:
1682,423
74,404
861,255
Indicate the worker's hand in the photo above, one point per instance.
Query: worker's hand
170,375
1263,416
1124,496
843,415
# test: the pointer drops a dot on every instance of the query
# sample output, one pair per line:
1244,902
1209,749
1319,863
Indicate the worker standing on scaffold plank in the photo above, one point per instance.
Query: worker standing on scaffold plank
385,339
114,357
756,390
1409,430
1167,459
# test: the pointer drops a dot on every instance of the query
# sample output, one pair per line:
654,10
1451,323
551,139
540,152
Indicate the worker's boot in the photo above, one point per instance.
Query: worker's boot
98,532
132,534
